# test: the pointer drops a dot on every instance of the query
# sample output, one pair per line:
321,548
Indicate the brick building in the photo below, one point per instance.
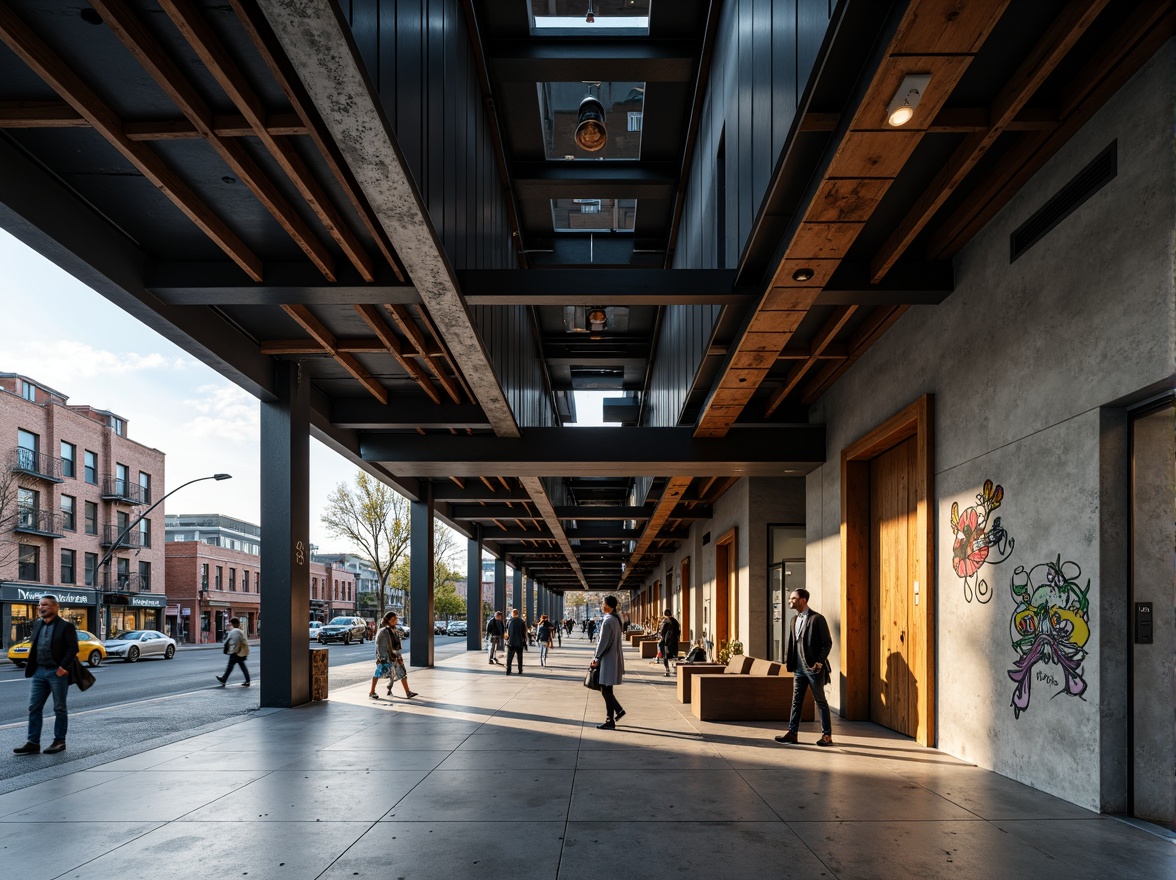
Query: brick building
71,483
332,591
208,585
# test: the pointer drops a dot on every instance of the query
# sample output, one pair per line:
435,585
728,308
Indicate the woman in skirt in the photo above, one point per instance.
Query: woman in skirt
389,660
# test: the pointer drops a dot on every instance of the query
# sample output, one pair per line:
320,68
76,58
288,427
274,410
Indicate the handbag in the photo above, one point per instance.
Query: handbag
592,679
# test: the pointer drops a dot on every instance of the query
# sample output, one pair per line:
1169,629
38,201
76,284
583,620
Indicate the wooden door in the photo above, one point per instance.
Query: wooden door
895,634
684,580
726,591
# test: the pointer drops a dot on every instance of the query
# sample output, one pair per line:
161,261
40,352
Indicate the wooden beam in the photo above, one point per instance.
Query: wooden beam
267,46
870,332
190,22
672,494
125,24
408,327
1074,20
371,317
326,339
35,53
823,337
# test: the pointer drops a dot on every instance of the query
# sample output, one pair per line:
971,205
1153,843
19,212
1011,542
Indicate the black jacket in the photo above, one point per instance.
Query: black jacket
670,632
516,633
495,628
64,646
816,642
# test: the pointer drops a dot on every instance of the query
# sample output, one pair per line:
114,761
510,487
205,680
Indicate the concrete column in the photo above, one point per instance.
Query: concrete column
531,615
285,550
420,577
516,600
500,585
474,622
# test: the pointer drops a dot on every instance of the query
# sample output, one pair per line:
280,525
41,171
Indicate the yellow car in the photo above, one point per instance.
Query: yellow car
90,649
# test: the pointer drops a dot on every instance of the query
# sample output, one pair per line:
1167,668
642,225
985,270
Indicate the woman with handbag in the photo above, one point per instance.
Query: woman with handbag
610,662
389,660
237,647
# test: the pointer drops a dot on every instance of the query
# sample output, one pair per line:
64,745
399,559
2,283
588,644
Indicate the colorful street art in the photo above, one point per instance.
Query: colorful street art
1049,628
979,539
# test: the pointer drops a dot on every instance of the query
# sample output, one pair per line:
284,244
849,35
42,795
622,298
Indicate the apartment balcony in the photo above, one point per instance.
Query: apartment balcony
45,523
130,583
132,540
124,491
36,465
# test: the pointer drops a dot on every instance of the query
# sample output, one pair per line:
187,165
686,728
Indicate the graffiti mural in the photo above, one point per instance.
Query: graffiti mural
979,539
1049,629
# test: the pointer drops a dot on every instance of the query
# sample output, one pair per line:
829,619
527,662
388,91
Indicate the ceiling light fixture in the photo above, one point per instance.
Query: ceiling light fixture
591,16
597,318
803,275
906,99
591,132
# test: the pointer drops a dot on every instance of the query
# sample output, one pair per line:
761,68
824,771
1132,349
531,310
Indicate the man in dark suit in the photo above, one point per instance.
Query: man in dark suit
52,651
809,644
516,639
495,630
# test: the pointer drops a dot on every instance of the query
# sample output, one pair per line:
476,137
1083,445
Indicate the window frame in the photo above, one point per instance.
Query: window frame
68,571
69,456
69,517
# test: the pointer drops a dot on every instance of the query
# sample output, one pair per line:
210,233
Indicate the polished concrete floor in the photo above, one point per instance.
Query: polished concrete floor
485,775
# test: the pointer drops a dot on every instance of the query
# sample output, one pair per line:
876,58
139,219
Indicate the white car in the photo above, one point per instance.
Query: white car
315,626
130,646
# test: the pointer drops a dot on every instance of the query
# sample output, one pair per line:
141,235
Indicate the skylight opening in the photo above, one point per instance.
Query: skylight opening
593,215
582,17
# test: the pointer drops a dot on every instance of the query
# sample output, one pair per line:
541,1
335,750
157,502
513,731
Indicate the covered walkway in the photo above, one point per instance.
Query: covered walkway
485,775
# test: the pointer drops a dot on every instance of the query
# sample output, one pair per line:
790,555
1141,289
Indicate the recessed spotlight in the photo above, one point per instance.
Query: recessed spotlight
906,99
803,275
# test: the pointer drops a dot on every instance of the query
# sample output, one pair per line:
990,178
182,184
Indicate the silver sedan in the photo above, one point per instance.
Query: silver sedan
130,646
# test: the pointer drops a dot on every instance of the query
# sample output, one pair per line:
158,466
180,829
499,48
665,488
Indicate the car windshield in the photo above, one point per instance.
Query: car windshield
131,635
340,621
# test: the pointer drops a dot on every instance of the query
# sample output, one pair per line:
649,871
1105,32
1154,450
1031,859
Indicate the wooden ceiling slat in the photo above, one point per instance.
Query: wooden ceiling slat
1063,33
324,337
253,21
824,336
408,327
190,22
371,316
881,320
126,25
672,494
37,55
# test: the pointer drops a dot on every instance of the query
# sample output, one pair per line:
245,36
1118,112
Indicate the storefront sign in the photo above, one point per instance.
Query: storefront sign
65,596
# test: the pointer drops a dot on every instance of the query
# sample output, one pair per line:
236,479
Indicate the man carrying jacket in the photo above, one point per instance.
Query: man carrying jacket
52,651
807,657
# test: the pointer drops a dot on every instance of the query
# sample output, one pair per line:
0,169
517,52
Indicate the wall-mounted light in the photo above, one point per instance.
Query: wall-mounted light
591,133
906,99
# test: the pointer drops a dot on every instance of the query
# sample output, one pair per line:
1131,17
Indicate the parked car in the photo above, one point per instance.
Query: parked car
404,631
90,649
133,644
440,628
343,629
315,626
457,627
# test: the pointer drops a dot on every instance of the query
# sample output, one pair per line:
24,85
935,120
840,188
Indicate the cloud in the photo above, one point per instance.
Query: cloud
225,413
61,363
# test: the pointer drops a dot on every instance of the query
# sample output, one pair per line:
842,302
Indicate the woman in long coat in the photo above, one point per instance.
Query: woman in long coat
610,661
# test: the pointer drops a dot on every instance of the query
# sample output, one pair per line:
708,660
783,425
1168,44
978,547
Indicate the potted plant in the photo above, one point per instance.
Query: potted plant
727,650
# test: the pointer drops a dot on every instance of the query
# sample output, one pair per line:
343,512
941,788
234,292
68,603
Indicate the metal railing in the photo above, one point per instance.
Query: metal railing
39,522
131,539
36,464
130,583
116,489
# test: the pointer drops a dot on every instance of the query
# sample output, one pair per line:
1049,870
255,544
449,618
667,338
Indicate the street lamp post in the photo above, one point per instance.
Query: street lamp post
105,560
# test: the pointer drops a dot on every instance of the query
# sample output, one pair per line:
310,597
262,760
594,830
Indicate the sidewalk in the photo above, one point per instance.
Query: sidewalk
485,774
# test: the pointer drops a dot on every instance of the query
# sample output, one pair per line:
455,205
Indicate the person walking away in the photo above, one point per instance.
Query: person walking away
610,660
53,647
544,636
516,640
395,656
237,647
807,657
669,634
592,630
495,630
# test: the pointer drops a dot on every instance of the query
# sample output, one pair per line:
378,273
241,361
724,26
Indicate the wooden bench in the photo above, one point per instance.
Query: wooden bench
649,648
687,671
762,693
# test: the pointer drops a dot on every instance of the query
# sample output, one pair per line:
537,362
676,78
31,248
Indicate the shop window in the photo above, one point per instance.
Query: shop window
69,559
28,566
21,626
786,572
69,516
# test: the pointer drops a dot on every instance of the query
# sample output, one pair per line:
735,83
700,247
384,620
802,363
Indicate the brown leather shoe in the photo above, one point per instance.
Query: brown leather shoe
58,745
789,738
29,748
826,740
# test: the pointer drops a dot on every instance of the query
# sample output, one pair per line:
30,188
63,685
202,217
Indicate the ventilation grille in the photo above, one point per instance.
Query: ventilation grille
1086,183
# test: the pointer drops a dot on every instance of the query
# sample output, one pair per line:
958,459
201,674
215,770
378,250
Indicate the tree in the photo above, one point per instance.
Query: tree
8,518
446,602
445,574
374,518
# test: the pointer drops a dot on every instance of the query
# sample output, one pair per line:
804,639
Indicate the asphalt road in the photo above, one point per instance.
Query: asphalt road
192,669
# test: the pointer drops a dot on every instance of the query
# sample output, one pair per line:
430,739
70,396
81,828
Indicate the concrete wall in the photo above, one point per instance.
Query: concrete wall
1022,359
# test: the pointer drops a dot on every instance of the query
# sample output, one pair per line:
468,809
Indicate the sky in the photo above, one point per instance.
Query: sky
61,334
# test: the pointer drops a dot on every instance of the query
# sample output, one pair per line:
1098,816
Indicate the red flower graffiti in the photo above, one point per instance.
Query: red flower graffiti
971,544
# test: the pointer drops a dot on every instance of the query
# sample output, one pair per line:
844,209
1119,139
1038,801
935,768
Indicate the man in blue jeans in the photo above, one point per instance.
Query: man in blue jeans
809,644
52,651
